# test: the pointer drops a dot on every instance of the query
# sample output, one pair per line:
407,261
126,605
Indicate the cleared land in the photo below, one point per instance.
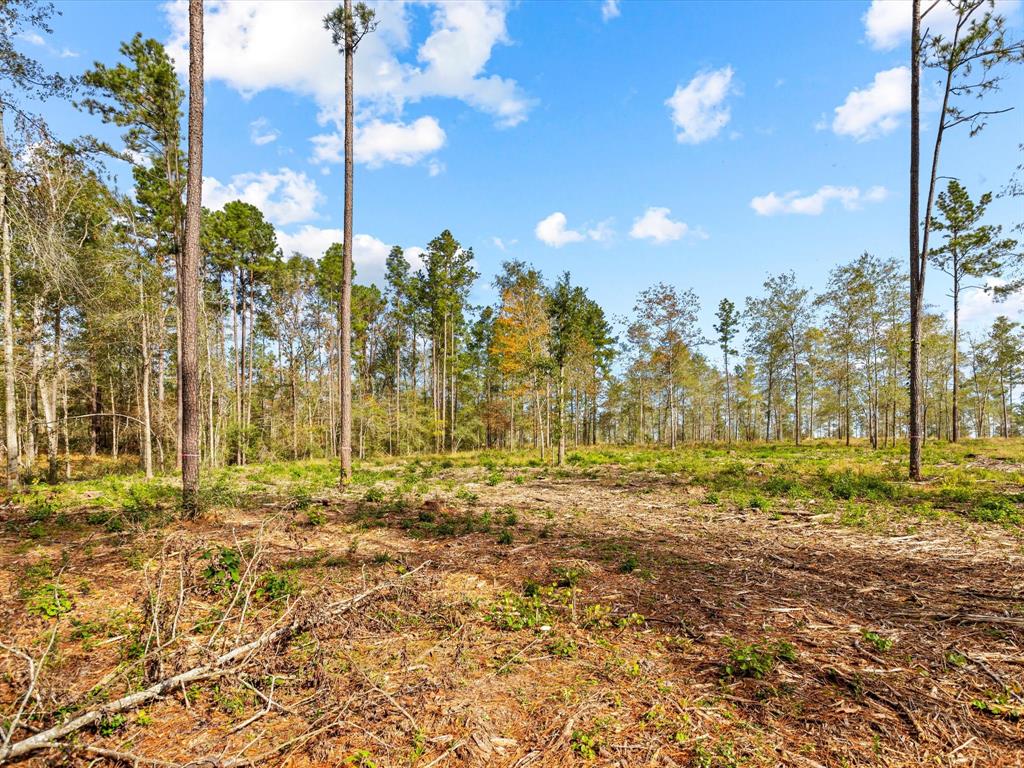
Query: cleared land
754,606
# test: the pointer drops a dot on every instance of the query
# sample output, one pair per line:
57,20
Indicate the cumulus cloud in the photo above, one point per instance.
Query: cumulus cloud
851,198
875,110
261,133
264,44
698,109
978,308
656,226
453,60
887,22
377,143
285,197
554,231
610,10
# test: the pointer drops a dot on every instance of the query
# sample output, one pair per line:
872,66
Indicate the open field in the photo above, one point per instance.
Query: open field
754,606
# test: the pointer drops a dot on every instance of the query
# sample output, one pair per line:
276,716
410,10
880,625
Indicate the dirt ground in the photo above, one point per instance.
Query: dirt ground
602,618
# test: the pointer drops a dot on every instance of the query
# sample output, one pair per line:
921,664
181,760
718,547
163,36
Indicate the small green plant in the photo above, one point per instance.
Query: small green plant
374,495
111,724
563,648
493,478
587,744
42,594
315,516
1000,706
956,659
505,537
361,758
880,642
224,568
596,616
629,565
514,612
567,577
276,586
467,496
756,660
40,509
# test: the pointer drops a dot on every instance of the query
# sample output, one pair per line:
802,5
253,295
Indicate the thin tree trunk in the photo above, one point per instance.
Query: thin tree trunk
147,434
10,397
955,433
345,321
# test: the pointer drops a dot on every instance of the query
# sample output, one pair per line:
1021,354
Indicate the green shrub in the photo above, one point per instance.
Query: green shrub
629,565
880,642
42,594
374,495
997,509
756,660
276,586
224,568
514,612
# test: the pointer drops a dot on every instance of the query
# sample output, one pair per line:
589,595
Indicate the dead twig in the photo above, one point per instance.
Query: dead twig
44,739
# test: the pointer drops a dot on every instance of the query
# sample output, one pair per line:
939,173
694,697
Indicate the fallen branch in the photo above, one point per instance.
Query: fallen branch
48,738
112,754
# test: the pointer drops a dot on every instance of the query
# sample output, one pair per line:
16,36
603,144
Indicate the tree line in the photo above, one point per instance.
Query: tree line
100,356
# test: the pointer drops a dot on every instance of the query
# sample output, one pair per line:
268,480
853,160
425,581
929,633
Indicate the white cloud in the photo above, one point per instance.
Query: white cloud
851,198
455,56
261,133
308,240
377,143
414,255
285,197
503,245
435,168
887,22
601,232
610,10
35,38
978,308
698,110
656,226
263,44
875,110
553,231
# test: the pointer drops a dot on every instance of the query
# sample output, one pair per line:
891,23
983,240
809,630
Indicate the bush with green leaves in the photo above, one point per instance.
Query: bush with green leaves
42,593
223,569
756,660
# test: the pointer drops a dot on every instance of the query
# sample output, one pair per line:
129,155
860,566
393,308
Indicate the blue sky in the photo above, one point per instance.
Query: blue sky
703,145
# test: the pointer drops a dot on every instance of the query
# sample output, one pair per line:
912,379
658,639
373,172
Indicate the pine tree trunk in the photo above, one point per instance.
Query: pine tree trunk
955,433
916,267
188,300
346,269
147,434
